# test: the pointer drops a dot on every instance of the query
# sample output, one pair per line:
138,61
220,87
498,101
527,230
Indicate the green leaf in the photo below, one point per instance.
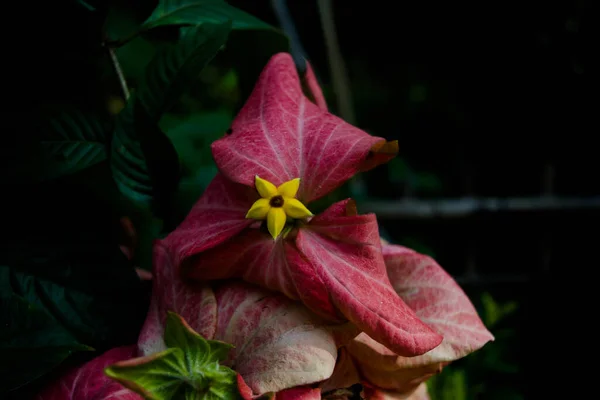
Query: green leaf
157,377
189,369
203,352
144,163
494,312
32,343
127,159
65,143
192,136
88,287
175,66
196,12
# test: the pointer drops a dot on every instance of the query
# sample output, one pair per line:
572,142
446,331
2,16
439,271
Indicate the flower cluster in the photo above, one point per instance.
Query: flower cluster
254,292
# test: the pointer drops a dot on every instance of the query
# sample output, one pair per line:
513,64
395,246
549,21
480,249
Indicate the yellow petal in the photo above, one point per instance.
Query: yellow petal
259,209
265,188
276,221
289,188
295,209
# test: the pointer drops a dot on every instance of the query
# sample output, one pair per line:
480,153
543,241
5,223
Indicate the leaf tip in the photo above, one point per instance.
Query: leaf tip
385,147
351,209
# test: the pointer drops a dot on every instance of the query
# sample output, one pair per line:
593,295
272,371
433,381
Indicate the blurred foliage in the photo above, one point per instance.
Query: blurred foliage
140,91
477,376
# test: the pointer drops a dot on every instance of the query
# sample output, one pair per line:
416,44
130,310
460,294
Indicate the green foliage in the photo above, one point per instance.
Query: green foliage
188,369
196,12
58,298
78,165
31,341
176,65
165,79
66,141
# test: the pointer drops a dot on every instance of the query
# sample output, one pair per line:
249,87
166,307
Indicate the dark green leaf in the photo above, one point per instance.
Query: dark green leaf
193,135
189,369
144,163
175,66
89,288
31,341
128,161
196,12
65,143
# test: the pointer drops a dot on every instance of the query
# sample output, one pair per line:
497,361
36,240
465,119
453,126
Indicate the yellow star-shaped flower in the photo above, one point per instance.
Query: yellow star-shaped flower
277,204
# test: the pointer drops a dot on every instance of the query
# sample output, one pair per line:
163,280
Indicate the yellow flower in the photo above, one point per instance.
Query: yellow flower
277,204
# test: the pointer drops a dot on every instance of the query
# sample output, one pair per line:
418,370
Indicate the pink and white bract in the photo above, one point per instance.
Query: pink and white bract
323,306
332,263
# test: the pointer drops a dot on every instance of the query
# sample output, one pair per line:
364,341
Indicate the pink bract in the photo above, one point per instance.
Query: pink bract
333,264
438,301
89,381
195,302
373,393
279,344
344,375
280,135
313,87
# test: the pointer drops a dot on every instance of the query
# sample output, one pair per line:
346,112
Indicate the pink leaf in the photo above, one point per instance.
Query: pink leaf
400,379
278,343
299,393
439,302
194,302
313,87
89,381
280,135
217,216
344,375
374,393
245,390
343,252
335,268
143,274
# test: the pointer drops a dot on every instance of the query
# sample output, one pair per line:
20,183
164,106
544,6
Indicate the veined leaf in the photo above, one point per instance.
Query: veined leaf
171,70
65,143
88,287
31,342
127,160
196,12
188,369
143,160
74,141
88,381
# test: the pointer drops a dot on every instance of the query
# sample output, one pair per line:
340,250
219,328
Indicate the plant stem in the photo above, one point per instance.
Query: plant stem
337,68
289,28
119,71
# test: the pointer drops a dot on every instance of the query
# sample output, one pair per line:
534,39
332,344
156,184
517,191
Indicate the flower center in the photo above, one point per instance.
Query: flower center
277,204
276,201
